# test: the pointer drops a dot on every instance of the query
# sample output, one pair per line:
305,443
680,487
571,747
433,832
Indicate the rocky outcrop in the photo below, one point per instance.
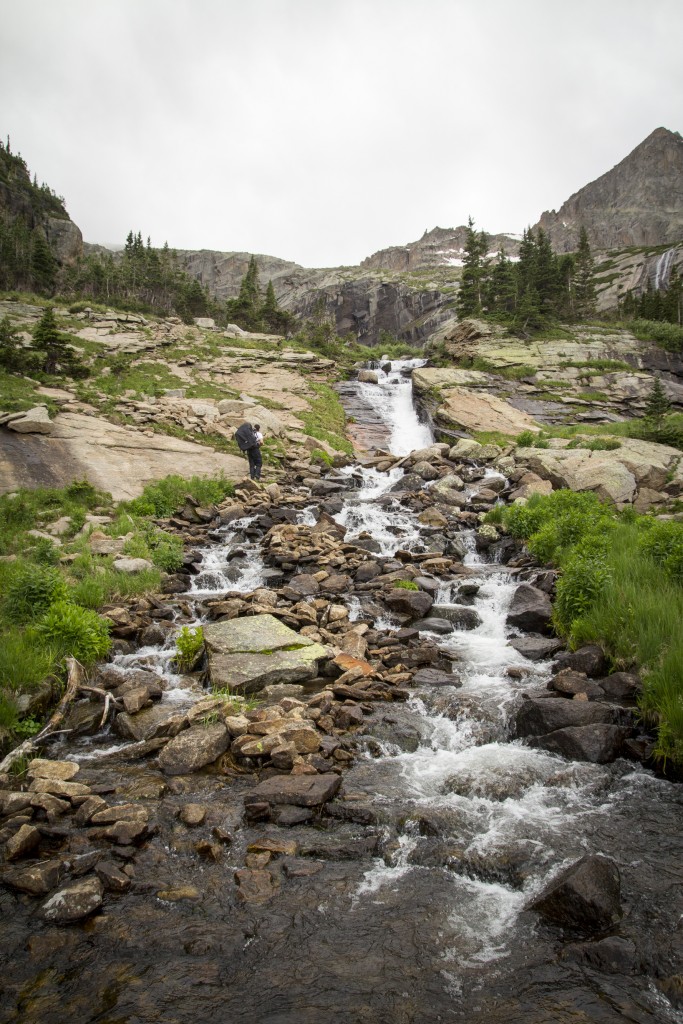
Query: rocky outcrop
639,202
118,459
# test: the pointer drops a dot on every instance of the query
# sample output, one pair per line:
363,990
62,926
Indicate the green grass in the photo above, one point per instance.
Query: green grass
18,393
621,587
599,365
668,336
326,420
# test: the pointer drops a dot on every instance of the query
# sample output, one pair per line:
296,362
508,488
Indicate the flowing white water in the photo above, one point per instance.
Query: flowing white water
392,397
662,269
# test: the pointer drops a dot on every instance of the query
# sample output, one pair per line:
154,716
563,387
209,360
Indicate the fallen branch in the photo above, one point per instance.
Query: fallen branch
74,681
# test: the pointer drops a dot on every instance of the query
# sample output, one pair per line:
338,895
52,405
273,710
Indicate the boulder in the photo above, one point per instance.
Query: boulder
295,790
530,609
598,744
589,659
586,897
435,677
621,686
33,421
434,625
74,902
536,648
570,683
459,615
252,652
194,749
131,565
368,377
415,603
542,715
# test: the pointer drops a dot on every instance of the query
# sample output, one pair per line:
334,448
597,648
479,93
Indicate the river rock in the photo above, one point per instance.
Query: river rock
434,625
598,744
530,609
460,616
537,648
538,716
194,749
415,603
589,659
570,683
74,902
43,768
435,677
297,790
621,686
36,879
585,897
368,377
252,652
22,842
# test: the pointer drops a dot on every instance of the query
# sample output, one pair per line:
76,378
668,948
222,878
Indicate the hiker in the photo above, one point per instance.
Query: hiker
247,438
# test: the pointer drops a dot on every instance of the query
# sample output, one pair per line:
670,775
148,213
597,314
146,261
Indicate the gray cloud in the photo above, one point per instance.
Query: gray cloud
323,131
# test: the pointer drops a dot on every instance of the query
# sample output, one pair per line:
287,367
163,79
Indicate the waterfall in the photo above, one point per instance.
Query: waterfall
663,269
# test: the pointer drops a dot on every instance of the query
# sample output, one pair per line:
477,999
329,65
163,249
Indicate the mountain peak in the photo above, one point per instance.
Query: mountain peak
638,202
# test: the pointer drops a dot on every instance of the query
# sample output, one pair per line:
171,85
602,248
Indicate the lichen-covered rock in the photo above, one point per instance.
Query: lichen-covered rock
74,902
194,749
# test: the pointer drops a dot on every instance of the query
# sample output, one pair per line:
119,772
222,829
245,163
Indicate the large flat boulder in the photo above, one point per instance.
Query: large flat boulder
249,653
477,410
115,458
542,715
296,790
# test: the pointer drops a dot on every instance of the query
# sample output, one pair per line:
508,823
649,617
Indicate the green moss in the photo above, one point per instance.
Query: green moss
406,585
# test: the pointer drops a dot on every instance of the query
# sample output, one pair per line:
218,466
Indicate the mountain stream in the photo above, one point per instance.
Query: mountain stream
419,912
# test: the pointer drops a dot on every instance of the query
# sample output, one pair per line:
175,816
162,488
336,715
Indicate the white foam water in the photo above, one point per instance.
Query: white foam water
392,397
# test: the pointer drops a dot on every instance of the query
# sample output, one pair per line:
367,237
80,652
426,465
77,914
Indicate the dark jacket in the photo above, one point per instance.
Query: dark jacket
245,437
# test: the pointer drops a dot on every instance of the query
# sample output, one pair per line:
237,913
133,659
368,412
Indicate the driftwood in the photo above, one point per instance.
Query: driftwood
74,682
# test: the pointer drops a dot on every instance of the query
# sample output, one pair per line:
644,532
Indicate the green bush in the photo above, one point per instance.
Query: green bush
31,590
167,496
79,632
189,644
663,541
406,585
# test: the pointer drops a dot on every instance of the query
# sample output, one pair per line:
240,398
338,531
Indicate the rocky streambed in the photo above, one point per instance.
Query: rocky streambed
434,813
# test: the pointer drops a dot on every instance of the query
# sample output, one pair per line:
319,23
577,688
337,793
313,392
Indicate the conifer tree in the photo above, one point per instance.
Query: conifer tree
13,355
43,264
52,348
472,283
584,277
657,406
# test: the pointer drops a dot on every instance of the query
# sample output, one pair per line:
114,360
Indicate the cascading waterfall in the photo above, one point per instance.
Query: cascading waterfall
392,397
662,269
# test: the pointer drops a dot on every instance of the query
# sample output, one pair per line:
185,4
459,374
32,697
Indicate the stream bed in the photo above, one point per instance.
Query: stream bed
414,909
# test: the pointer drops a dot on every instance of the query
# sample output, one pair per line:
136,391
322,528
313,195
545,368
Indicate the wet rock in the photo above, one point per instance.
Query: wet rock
194,749
570,684
538,716
367,571
530,609
252,652
290,816
298,790
179,893
537,648
621,686
613,955
154,635
152,722
208,851
298,867
73,791
74,902
303,585
409,602
672,987
274,846
340,846
585,897
112,878
89,807
22,842
192,815
255,886
125,833
435,677
14,803
599,744
589,659
136,699
42,768
459,615
433,624
35,879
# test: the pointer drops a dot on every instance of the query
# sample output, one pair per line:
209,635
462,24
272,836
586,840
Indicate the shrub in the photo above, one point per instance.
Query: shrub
76,631
189,644
165,497
31,590
663,541
406,585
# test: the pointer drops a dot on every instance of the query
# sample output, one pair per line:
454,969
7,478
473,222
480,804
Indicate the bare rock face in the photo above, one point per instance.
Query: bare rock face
638,202
585,897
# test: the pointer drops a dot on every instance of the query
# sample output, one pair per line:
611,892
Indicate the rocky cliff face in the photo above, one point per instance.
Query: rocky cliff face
639,202
440,247
38,207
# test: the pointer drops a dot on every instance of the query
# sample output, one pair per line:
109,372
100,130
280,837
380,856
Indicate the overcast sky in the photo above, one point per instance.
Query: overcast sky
323,130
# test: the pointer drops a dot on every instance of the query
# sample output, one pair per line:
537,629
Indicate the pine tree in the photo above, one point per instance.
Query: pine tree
584,278
43,264
53,349
472,283
13,355
657,406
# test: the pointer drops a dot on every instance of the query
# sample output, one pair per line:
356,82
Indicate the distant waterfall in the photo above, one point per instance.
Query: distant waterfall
663,269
